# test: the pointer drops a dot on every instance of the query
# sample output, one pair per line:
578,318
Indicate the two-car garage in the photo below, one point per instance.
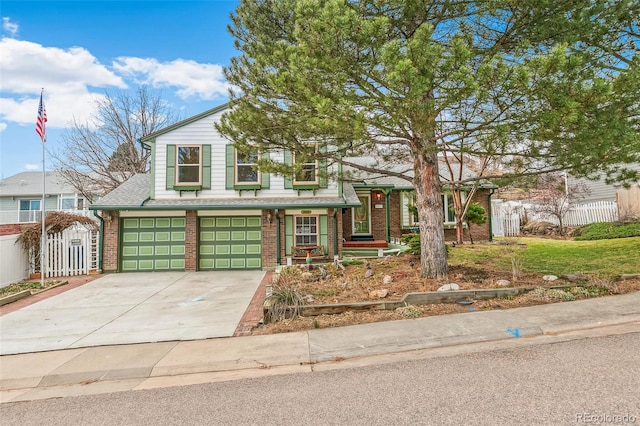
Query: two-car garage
159,243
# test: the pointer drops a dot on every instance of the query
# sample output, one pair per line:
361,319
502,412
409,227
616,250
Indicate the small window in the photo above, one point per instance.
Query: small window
306,231
67,204
246,170
189,159
306,169
30,205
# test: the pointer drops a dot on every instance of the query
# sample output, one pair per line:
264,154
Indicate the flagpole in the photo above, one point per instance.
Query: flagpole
42,132
43,247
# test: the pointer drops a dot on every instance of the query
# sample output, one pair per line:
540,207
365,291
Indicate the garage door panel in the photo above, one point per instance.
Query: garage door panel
230,243
152,244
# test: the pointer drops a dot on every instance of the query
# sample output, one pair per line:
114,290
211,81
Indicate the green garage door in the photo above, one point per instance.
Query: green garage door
152,244
230,243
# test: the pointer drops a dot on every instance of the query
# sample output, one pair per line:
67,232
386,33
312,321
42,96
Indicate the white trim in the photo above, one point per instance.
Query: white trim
177,166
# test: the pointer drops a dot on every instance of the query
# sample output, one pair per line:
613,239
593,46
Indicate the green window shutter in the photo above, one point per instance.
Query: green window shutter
171,166
206,166
288,234
230,166
266,177
288,160
322,165
324,232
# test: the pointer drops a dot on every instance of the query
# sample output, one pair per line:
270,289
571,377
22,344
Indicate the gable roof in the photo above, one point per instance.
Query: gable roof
151,137
30,183
134,194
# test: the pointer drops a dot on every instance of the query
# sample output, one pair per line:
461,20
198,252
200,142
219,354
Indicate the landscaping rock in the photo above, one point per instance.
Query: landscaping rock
307,276
380,294
449,287
574,277
540,228
387,279
549,278
503,283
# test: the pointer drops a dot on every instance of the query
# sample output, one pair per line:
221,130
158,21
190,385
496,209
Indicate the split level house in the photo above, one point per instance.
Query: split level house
204,206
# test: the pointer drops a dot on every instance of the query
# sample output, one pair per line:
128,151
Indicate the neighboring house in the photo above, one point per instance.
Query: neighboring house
204,207
21,197
628,200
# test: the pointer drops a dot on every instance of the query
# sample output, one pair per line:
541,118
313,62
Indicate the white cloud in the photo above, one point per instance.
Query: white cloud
65,74
192,79
3,126
8,26
31,167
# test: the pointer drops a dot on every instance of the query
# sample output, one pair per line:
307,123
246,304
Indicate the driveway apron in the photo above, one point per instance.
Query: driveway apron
132,308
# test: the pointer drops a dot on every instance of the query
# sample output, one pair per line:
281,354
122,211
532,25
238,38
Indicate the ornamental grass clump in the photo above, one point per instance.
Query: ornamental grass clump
286,301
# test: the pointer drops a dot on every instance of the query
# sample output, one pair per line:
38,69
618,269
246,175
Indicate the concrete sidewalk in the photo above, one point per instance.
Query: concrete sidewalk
141,366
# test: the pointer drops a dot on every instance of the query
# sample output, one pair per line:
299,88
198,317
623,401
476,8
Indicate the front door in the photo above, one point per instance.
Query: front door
361,216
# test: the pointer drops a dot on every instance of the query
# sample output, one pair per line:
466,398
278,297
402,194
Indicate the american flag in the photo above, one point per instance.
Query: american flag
42,118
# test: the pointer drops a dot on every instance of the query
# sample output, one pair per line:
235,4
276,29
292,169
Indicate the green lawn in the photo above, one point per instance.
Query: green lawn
546,256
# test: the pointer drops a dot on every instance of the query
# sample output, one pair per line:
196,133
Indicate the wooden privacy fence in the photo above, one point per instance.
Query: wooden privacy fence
71,252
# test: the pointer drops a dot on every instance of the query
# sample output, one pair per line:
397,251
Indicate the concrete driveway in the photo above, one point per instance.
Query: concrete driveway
133,308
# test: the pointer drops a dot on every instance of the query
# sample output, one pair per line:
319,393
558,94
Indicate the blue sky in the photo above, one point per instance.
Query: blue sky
78,50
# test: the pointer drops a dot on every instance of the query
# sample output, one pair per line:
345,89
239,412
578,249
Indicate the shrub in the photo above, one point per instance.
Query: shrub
413,241
606,230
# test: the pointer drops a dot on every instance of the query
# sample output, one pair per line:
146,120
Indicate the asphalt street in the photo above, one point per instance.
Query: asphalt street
583,381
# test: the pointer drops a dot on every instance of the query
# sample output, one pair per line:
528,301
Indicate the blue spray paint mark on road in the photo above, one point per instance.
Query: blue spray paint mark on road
514,331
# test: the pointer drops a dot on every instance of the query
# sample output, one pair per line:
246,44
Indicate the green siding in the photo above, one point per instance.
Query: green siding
152,244
230,243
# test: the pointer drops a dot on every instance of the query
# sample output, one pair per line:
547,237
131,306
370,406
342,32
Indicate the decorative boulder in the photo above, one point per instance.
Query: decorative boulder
549,278
574,277
503,283
449,287
380,294
387,279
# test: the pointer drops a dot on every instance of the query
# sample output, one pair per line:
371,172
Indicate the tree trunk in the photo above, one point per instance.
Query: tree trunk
433,257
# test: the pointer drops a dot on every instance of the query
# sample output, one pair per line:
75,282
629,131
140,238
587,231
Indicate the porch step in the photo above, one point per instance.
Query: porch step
366,244
362,238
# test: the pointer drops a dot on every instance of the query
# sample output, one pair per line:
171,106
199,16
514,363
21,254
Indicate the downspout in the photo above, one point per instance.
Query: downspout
335,233
278,256
101,244
490,215
387,196
144,201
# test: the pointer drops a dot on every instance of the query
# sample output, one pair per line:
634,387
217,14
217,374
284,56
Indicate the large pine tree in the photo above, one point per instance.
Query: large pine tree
535,84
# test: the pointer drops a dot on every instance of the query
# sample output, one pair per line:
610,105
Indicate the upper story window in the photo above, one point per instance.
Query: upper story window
306,169
30,204
189,161
246,170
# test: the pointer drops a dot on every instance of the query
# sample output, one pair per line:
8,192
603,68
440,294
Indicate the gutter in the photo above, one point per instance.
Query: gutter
335,233
278,242
101,245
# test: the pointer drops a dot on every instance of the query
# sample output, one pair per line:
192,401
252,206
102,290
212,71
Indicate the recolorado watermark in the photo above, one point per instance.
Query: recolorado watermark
591,418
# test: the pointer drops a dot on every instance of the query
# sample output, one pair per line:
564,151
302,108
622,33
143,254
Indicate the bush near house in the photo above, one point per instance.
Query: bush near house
606,230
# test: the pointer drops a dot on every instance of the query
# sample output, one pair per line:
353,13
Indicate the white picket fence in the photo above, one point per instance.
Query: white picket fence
507,216
71,252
